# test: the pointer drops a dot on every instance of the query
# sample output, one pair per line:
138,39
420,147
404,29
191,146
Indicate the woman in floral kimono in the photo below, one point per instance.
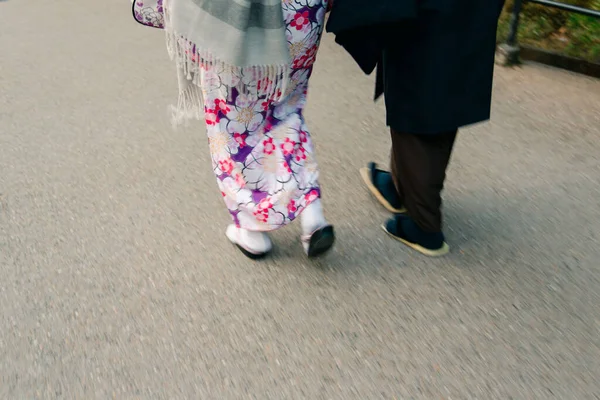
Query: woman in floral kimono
251,60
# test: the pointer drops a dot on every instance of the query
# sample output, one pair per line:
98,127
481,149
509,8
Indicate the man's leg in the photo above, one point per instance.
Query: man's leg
419,164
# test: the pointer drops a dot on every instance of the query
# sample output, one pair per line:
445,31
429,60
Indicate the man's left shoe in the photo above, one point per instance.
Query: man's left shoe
381,185
406,231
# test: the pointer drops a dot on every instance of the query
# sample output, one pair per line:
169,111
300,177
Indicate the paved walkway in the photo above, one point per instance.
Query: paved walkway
116,280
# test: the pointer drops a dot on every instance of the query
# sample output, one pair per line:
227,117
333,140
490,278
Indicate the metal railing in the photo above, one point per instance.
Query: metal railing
512,45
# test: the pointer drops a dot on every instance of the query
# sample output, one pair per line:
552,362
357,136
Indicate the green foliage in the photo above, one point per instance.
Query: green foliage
547,28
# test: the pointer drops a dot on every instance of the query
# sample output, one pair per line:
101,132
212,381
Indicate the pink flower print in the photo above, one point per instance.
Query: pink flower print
240,139
266,104
221,105
311,196
300,154
264,205
239,179
226,166
263,84
307,59
269,146
262,216
211,116
303,137
312,52
299,62
300,20
262,210
268,126
287,167
288,146
292,208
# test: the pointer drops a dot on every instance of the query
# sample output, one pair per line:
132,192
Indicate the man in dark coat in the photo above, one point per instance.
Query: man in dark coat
434,62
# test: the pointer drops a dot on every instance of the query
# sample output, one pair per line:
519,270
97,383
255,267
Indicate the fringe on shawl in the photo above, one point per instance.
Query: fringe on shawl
191,61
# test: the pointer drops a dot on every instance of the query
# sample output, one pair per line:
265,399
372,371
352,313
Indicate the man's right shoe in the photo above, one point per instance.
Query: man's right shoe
381,185
405,230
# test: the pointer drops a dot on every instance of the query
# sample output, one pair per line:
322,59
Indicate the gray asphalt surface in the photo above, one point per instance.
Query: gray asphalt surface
116,280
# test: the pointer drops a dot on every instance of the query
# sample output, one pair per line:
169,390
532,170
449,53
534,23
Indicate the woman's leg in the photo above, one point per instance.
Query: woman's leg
262,153
305,21
225,147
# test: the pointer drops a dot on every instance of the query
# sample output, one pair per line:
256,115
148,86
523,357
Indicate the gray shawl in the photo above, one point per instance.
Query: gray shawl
238,36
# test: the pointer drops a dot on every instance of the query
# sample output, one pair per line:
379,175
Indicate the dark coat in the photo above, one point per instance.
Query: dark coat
434,58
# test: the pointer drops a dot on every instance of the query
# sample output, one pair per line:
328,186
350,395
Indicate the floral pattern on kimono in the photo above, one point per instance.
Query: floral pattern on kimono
262,152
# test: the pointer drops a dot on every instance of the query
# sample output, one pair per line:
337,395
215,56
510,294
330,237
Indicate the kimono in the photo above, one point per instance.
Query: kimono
262,152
